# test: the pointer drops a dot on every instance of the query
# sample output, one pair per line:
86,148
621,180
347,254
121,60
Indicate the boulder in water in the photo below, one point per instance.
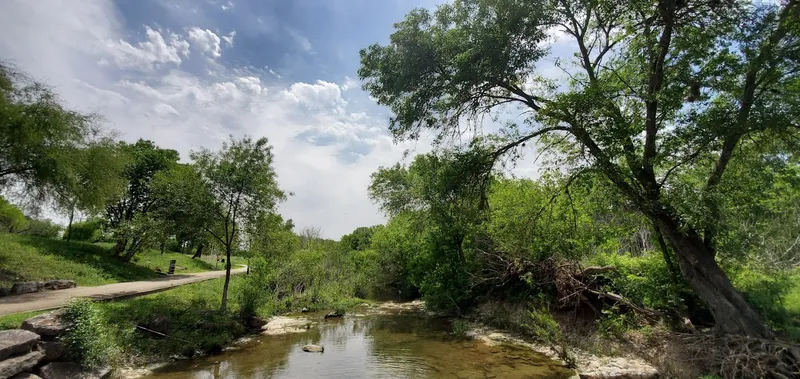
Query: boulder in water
333,314
313,349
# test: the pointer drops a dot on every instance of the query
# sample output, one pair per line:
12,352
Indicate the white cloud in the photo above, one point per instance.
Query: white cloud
321,95
350,83
206,41
301,40
227,6
324,150
229,38
150,53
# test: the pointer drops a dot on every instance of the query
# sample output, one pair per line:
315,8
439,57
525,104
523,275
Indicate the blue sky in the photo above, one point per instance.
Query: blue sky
188,73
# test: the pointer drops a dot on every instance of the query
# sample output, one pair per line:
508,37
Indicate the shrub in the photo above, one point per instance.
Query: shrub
460,328
88,337
42,228
11,218
766,292
90,231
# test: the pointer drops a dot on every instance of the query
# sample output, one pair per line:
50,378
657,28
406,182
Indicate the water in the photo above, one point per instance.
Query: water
393,344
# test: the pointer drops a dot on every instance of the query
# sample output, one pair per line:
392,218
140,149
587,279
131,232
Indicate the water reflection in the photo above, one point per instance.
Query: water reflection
371,346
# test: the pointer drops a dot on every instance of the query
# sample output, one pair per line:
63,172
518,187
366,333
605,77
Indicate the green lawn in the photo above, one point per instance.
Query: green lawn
27,258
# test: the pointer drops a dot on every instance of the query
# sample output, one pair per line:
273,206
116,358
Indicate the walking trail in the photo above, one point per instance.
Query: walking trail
40,301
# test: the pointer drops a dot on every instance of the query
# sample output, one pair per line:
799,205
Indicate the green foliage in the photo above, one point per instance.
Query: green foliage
239,186
767,292
623,113
460,328
38,135
42,228
614,323
88,338
646,280
11,218
90,230
189,315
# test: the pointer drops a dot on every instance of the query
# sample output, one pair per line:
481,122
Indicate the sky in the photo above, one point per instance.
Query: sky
188,73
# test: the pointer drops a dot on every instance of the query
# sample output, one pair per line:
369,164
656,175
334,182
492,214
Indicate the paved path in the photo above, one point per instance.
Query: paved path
56,299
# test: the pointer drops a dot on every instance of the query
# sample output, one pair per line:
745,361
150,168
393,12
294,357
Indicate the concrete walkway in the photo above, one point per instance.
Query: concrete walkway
39,301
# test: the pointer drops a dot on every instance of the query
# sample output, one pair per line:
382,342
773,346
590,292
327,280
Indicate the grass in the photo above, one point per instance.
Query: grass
792,305
189,315
14,321
28,258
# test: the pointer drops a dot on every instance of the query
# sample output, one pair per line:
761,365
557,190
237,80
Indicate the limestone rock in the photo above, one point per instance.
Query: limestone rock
60,284
313,349
26,375
16,341
617,368
53,351
15,365
46,325
70,370
333,314
24,287
285,325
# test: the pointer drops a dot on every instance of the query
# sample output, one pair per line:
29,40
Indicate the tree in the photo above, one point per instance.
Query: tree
658,88
38,135
128,215
11,218
360,238
242,185
91,177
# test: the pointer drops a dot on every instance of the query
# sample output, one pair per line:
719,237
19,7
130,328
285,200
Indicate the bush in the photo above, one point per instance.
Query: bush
90,231
88,337
11,218
766,292
42,228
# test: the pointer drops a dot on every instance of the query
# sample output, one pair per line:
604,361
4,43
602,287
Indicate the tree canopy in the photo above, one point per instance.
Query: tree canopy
656,90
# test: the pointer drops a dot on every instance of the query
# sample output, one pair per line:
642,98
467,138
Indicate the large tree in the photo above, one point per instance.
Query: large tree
128,215
38,134
656,88
242,187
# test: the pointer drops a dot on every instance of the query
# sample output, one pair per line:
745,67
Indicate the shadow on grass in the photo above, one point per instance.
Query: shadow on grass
191,325
90,255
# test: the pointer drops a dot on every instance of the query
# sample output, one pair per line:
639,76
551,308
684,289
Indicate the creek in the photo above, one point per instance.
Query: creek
385,341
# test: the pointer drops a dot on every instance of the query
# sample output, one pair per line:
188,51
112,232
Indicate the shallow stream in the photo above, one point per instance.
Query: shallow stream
370,342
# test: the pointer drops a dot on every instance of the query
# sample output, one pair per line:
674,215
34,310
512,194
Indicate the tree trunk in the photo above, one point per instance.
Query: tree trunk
224,306
732,314
119,248
199,252
162,247
676,275
69,226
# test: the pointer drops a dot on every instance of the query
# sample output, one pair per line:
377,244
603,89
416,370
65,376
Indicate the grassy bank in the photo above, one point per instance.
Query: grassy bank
190,318
28,258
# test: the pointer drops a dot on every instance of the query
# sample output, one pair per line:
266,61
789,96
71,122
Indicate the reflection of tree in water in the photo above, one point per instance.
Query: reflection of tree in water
371,346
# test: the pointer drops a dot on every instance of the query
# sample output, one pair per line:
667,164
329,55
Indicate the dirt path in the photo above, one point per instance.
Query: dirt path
55,299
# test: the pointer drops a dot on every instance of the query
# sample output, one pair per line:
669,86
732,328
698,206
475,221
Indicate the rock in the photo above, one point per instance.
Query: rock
333,314
5,291
53,351
24,287
26,375
285,325
313,349
304,310
45,325
70,370
616,368
60,284
255,322
16,341
159,323
15,365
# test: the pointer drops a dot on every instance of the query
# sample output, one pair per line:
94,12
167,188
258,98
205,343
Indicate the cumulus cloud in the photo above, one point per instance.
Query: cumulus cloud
229,38
325,148
152,52
206,41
